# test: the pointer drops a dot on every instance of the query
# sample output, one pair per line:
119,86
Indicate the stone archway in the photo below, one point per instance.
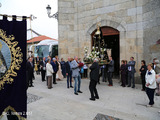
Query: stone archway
116,25
111,42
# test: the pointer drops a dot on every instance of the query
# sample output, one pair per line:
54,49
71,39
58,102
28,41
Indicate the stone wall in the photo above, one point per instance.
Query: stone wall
137,21
151,26
66,28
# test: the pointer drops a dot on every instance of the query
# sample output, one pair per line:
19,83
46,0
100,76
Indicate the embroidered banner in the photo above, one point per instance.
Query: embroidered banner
13,99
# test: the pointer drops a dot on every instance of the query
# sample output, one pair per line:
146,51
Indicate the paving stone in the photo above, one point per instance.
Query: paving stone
60,103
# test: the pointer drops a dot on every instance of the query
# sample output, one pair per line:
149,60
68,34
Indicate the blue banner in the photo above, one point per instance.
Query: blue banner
13,98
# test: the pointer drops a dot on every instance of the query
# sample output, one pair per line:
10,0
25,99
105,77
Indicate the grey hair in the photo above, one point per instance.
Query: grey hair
54,58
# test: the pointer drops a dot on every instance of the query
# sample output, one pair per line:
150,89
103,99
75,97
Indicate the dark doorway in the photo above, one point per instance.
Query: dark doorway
111,38
112,42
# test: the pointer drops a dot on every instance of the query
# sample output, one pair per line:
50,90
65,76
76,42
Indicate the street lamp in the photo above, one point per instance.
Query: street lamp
49,13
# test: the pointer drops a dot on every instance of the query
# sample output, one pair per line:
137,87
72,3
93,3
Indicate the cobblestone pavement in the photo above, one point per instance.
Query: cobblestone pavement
60,103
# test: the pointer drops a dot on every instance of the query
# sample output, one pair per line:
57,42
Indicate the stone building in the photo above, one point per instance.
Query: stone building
130,27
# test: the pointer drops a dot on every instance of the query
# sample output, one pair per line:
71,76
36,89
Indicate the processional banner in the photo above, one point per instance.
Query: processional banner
13,98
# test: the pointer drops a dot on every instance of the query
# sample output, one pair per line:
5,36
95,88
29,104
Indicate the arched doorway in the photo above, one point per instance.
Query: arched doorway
111,39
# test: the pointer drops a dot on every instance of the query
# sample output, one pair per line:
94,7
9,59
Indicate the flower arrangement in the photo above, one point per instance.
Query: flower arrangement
98,50
95,53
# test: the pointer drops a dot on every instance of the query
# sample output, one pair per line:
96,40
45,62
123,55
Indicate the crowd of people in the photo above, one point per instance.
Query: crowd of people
150,77
53,70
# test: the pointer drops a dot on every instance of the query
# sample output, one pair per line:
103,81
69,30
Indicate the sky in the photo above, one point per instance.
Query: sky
43,24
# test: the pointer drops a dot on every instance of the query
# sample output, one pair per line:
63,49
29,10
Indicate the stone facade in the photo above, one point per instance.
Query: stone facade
138,22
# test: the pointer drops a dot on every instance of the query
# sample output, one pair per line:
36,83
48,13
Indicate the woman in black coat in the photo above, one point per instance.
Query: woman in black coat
123,73
143,71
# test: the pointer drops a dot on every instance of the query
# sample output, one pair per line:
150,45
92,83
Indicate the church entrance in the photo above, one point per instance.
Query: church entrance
111,39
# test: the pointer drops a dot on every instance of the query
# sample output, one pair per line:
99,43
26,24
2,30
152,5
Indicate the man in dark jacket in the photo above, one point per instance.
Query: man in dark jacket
43,69
69,72
94,74
30,72
63,66
55,69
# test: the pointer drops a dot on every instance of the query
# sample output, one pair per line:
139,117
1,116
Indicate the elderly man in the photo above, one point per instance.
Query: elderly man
69,73
94,76
55,69
110,71
76,75
29,69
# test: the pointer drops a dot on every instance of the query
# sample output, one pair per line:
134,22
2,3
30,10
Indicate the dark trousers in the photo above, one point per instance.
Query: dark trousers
43,73
81,75
126,78
123,79
143,82
30,78
131,78
93,90
38,73
54,78
64,72
150,94
110,78
103,74
85,73
69,79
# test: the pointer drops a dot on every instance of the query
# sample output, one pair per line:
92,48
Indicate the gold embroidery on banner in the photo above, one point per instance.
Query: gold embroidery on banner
16,59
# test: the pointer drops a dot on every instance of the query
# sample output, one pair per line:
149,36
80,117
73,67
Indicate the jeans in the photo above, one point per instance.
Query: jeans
77,79
69,79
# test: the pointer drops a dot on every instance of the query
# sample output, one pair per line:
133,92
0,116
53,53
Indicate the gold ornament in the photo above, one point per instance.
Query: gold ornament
0,45
16,59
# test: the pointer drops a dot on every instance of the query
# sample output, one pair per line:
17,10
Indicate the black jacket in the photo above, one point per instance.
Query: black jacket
42,65
57,65
94,74
143,72
68,69
29,70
